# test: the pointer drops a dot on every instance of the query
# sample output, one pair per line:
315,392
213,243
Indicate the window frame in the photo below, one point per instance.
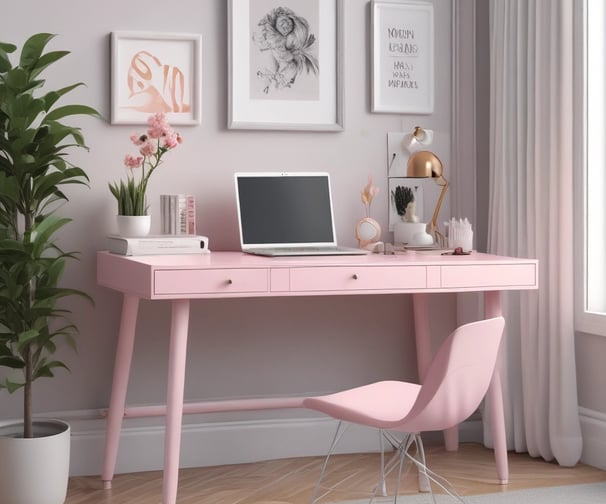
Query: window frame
586,321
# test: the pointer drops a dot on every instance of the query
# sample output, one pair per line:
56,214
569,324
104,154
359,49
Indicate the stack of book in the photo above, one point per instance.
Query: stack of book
178,213
158,245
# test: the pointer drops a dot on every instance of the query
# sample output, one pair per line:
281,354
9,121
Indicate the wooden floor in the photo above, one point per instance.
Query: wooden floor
471,471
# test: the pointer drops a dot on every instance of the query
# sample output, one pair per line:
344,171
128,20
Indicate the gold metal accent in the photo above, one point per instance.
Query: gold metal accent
425,164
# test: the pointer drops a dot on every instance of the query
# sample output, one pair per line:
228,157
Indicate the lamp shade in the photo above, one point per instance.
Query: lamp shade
424,164
419,137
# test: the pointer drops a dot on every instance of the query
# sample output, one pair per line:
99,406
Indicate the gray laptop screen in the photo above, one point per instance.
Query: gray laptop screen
285,209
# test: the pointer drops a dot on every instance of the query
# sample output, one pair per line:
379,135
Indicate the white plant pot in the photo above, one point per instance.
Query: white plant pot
411,233
36,470
134,225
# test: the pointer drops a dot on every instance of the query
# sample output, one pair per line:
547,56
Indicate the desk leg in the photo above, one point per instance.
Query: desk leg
174,399
124,353
492,308
424,356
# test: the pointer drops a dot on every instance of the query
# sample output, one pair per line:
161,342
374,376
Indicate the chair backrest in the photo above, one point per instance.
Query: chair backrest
458,377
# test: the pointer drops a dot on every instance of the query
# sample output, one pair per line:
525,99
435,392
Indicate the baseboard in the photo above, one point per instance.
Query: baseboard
217,442
593,429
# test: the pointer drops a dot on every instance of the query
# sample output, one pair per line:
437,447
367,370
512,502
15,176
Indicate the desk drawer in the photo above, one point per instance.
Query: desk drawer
174,282
352,278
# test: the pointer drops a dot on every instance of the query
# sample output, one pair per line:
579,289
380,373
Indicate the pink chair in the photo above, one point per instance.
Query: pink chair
455,384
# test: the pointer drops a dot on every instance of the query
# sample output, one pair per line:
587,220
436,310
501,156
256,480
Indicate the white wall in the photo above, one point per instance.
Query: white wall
236,347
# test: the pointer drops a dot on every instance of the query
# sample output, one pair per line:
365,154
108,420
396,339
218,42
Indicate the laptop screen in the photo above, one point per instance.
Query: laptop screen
284,209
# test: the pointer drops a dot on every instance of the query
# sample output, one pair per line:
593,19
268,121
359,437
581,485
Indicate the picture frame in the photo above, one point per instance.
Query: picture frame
285,69
402,57
416,186
156,72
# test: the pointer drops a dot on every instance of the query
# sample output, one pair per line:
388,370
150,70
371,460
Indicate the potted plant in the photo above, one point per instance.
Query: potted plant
130,195
34,143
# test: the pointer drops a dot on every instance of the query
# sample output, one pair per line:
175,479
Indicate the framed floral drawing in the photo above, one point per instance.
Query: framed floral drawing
156,72
402,57
285,65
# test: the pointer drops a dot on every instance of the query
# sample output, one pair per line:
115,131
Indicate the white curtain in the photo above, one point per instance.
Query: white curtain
531,179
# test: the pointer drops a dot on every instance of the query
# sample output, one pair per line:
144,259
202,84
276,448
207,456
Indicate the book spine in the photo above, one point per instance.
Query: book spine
178,212
191,215
182,214
164,214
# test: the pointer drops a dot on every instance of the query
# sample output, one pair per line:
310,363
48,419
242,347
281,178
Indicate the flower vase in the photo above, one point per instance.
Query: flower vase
134,225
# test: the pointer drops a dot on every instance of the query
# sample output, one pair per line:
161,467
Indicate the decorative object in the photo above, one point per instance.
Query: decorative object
368,230
156,72
34,472
419,139
399,185
34,148
424,164
133,225
285,65
131,194
402,57
460,234
408,231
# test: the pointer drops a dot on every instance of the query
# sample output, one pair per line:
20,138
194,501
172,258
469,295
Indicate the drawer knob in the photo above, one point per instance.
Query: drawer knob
355,276
230,281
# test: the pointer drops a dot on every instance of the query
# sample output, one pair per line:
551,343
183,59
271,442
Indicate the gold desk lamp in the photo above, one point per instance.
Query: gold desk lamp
425,164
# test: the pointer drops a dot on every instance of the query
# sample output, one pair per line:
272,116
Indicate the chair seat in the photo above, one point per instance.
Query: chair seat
381,404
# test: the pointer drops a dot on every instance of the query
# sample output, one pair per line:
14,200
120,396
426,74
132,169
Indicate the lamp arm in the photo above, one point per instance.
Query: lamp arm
436,212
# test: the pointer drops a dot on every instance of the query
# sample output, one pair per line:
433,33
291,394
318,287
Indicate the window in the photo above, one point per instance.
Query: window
591,277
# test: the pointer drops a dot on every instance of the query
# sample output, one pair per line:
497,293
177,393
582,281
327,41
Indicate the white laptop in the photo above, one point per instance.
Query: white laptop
287,214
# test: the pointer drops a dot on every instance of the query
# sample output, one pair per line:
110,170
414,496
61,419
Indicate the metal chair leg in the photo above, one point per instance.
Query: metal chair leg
341,428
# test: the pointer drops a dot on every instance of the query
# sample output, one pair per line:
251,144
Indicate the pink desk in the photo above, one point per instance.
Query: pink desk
180,278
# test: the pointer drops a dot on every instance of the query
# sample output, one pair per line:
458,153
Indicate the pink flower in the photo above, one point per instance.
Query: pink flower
132,161
138,139
158,126
148,149
153,144
171,141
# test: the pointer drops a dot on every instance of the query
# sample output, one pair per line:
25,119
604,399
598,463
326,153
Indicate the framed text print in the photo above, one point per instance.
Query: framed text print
402,57
285,65
155,72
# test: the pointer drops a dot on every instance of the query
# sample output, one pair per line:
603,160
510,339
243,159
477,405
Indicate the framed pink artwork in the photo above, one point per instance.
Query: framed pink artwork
156,72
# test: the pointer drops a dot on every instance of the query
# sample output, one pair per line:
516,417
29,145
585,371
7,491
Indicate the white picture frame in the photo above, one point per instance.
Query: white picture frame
156,72
297,88
402,57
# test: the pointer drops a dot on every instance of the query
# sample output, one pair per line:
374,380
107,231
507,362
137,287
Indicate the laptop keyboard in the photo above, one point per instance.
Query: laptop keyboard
318,250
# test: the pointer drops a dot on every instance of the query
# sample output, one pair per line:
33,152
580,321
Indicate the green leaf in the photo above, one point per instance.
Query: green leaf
52,96
69,110
26,336
12,386
45,60
44,230
9,48
32,50
12,362
16,79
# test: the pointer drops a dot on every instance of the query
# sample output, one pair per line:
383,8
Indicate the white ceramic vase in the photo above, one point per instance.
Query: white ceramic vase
34,470
411,233
134,225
